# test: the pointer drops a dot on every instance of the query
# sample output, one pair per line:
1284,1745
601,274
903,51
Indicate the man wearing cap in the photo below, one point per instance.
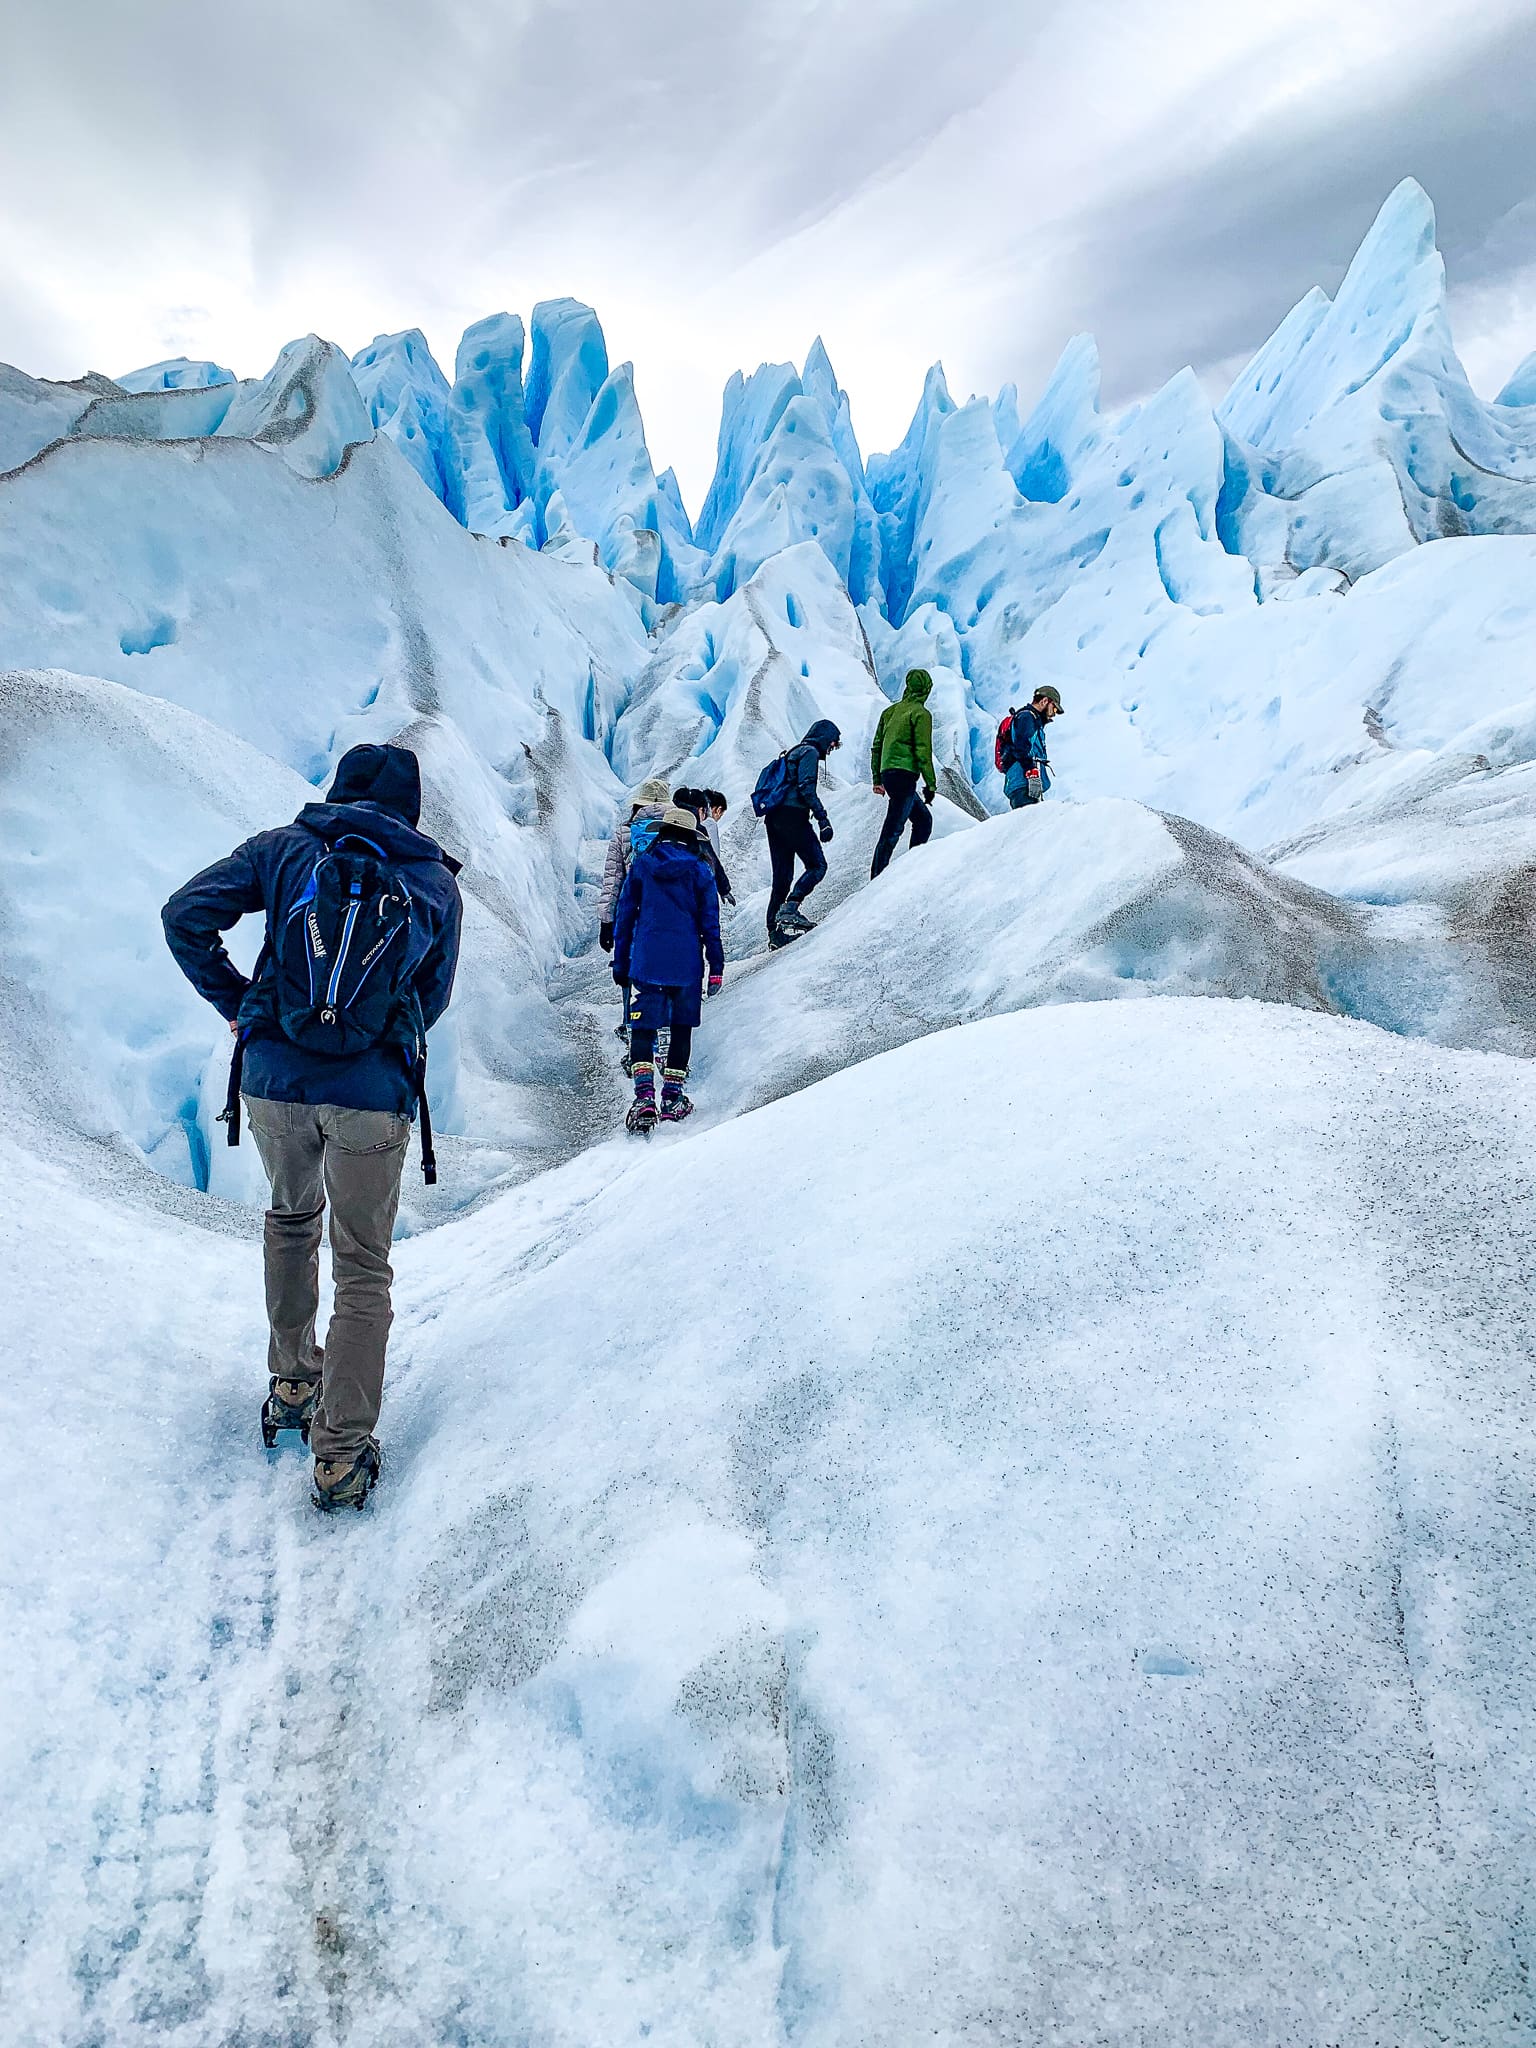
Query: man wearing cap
1022,755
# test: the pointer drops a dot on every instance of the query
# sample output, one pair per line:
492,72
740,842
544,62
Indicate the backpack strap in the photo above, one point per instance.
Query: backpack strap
428,1154
419,1085
230,1113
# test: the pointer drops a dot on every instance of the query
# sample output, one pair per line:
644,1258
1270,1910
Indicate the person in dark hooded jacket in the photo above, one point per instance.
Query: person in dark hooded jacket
791,836
328,1126
666,927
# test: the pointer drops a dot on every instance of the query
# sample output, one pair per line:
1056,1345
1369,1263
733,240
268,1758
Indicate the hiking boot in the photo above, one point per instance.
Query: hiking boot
346,1482
641,1120
290,1404
675,1105
792,919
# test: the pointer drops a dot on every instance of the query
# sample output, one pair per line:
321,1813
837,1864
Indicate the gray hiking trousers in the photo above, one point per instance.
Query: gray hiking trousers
352,1158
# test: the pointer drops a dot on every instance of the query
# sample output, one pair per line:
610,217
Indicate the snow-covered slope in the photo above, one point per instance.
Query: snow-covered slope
1086,902
1259,720
1025,1539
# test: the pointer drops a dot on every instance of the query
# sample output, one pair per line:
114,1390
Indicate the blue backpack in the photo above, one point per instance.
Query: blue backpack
773,784
341,954
642,835
336,973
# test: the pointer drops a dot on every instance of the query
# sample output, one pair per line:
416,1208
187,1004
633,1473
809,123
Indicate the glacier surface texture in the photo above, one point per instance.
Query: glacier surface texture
1012,1526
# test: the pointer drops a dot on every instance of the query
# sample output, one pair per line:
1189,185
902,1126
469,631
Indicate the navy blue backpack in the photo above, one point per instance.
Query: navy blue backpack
337,973
773,784
341,955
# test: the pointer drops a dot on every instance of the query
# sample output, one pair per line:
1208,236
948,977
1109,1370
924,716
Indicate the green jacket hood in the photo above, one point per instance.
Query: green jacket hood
904,736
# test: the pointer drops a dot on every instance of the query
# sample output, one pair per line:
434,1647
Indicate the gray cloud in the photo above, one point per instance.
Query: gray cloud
1201,267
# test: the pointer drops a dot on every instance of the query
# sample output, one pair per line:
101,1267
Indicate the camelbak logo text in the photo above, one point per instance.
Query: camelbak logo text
315,940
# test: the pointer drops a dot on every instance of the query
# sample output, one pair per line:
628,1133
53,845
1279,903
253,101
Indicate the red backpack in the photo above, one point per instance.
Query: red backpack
1002,752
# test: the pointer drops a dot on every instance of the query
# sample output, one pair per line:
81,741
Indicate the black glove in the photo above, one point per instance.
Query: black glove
605,937
928,794
826,835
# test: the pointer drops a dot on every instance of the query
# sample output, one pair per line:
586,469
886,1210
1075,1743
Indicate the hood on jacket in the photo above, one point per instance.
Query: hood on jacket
919,684
823,736
391,835
387,776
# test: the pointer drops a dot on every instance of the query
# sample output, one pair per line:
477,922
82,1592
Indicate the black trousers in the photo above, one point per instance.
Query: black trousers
901,803
792,837
642,1046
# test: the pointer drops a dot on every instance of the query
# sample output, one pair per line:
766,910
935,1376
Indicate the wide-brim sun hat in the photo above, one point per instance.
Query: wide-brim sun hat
653,790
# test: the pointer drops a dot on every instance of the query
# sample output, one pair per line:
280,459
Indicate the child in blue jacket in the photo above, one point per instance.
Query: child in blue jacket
666,926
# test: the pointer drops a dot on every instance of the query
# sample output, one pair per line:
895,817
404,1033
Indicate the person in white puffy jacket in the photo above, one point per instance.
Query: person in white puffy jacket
647,803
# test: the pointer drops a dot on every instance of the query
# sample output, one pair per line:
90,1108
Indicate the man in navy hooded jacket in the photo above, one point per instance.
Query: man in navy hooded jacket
666,924
792,837
327,1126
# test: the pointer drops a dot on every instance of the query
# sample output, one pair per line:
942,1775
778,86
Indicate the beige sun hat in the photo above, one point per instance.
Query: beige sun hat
652,791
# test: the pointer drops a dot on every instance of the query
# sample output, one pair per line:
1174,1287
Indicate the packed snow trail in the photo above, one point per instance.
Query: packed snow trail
1026,1539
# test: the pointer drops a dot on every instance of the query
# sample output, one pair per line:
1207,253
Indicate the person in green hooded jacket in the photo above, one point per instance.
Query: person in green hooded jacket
900,759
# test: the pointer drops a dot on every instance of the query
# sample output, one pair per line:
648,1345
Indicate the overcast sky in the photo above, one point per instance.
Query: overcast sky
974,180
